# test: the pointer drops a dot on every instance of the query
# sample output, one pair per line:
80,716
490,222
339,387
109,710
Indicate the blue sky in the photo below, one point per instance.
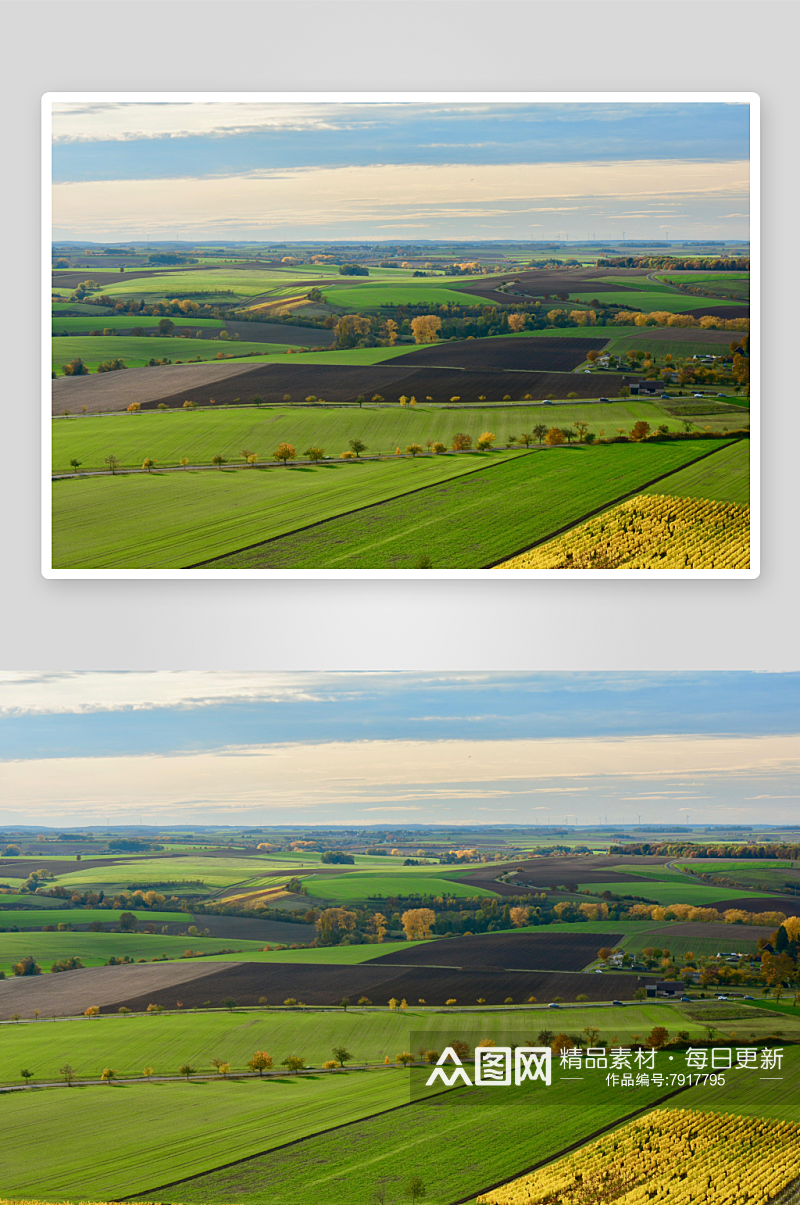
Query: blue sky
161,165
210,747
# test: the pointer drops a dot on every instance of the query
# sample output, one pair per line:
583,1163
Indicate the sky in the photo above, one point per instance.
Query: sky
399,171
391,749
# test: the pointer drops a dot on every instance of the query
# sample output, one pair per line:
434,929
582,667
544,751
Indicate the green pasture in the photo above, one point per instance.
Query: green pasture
153,520
750,1093
94,949
698,942
242,282
751,874
458,1142
57,1148
722,478
325,955
342,888
35,918
371,295
214,872
789,1009
14,899
127,322
166,436
680,344
71,307
682,890
137,350
470,523
165,1041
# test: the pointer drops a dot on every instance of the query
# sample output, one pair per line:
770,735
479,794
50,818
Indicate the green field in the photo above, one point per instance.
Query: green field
722,478
35,918
681,891
664,937
370,295
344,887
137,350
160,520
167,436
750,1093
126,322
653,299
471,522
57,1148
458,1143
213,871
751,874
94,949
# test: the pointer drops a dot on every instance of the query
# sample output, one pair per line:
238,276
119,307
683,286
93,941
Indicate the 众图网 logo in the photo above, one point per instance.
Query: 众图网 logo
493,1066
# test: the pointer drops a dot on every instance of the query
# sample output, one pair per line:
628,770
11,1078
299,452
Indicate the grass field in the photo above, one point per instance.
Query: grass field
200,434
94,949
750,1093
679,944
682,891
723,478
346,887
137,350
160,520
213,871
653,299
82,325
751,874
35,918
470,523
458,1143
371,295
60,1148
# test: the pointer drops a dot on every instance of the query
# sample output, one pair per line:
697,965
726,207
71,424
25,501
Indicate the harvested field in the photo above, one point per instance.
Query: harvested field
22,867
556,872
790,904
317,983
71,992
279,332
721,933
344,382
541,282
241,928
671,334
103,277
109,391
517,952
538,355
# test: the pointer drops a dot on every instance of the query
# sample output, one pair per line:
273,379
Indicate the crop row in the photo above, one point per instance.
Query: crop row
651,532
676,1155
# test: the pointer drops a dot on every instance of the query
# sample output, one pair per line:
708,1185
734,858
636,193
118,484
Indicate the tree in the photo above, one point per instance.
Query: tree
260,1062
26,1074
461,442
404,1057
229,1003
333,924
128,921
134,407
414,449
189,405
147,1072
112,463
154,1009
540,430
582,429
75,368
516,322
76,464
314,453
186,1069
569,434
658,1037
422,562
92,1011
166,326
417,923
284,452
554,437
218,460
526,438
148,463
640,430
438,448
415,1189
108,1074
294,1063
350,329
604,954
425,328
184,460
27,966
519,916
342,1055
485,440
640,994
357,446
67,1073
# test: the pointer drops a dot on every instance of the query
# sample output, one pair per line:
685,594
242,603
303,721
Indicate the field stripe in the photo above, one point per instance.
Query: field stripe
370,506
598,510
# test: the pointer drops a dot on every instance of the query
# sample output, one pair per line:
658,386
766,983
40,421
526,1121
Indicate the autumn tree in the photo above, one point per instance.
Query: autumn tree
113,463
342,1055
554,437
294,1063
526,438
391,331
67,1073
134,407
461,442
658,1037
378,926
640,430
485,440
425,328
314,453
438,448
357,445
516,322
582,429
333,924
148,463
219,460
417,923
285,452
350,329
519,916
414,449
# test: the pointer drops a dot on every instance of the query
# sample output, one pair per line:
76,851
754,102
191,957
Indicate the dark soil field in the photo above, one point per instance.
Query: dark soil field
790,904
239,928
508,952
542,282
538,355
103,276
247,982
19,867
719,311
105,392
342,383
279,332
557,872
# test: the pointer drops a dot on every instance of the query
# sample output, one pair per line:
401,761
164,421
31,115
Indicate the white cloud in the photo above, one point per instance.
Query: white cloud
131,121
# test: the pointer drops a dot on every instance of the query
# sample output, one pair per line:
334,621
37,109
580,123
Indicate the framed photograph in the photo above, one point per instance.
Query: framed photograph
354,335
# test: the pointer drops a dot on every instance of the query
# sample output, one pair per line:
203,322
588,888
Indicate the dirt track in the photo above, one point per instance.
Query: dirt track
69,993
111,391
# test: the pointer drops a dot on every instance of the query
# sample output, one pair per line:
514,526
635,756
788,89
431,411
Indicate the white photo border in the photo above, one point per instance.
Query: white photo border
743,98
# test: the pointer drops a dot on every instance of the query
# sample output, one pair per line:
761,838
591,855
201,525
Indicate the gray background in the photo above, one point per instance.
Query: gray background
366,45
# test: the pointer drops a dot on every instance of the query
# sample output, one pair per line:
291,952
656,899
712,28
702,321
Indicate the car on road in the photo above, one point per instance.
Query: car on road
603,399
748,997
686,997
698,395
665,395
722,997
619,1002
554,1006
547,402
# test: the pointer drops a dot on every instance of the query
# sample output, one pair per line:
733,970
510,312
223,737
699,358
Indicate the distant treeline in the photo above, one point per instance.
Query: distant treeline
739,263
689,849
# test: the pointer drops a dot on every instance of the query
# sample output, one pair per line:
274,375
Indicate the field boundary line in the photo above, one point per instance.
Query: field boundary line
369,506
572,1147
610,505
282,1146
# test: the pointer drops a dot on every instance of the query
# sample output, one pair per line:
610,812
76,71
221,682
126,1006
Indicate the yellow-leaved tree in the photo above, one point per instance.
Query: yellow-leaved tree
425,328
417,923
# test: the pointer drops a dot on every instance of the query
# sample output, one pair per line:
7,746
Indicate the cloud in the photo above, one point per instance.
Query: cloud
126,121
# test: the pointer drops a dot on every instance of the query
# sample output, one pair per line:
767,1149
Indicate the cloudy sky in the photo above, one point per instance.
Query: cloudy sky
393,749
440,170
